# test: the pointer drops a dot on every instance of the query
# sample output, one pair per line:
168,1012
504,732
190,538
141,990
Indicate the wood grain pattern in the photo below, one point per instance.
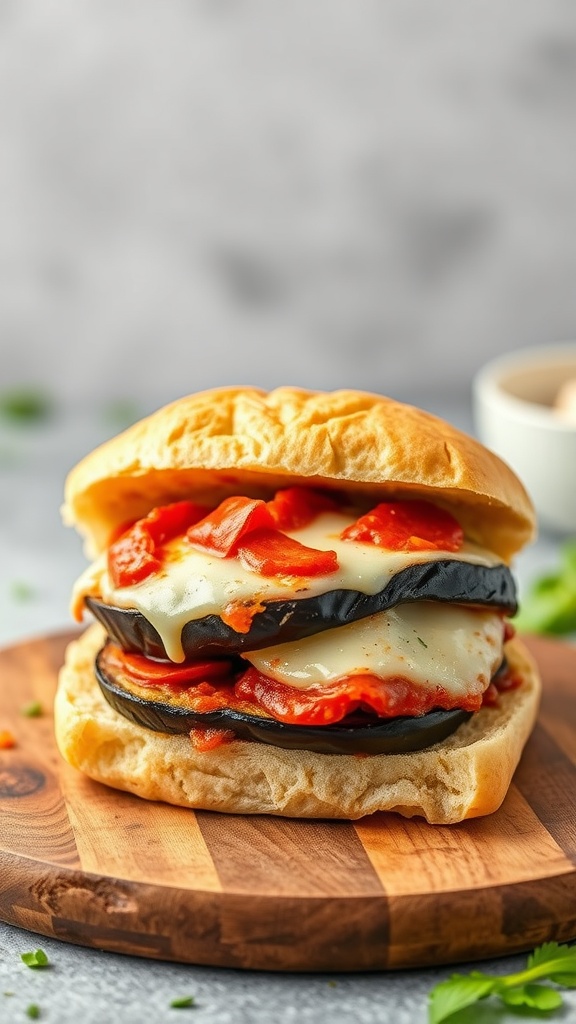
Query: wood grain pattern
158,844
454,857
93,866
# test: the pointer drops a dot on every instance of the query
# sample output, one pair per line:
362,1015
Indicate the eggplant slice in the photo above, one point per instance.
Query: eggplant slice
356,735
283,621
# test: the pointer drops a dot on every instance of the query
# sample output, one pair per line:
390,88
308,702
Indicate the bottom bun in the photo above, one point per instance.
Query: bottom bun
465,776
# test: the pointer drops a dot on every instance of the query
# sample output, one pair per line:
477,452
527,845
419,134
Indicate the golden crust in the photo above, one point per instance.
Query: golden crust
240,439
466,776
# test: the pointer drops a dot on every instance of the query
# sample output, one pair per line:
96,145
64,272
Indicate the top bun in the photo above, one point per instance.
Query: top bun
235,440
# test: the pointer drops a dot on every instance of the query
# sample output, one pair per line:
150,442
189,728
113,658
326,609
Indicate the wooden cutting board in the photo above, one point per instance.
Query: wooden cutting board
101,868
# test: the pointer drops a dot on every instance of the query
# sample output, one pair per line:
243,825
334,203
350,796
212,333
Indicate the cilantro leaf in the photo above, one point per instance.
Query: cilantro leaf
37,959
551,953
550,604
538,997
548,951
182,1002
560,963
459,991
550,961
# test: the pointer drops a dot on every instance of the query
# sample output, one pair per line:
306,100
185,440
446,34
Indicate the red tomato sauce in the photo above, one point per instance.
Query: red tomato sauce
286,707
211,685
207,738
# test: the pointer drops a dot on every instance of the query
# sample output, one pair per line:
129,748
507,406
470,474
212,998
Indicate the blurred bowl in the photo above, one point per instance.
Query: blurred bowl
516,414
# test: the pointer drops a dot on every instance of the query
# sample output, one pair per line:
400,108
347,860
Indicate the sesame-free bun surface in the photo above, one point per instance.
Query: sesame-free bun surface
244,440
465,776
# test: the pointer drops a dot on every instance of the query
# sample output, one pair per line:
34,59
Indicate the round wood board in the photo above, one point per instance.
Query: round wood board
93,866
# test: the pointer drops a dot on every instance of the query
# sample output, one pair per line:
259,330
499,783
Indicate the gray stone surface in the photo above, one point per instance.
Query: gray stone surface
84,986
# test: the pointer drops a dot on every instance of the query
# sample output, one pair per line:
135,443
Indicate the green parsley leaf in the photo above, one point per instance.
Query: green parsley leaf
32,710
538,997
37,959
550,961
182,1002
459,991
555,957
550,604
33,1011
25,405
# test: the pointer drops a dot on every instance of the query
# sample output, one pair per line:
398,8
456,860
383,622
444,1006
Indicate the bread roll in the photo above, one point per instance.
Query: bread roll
232,440
365,449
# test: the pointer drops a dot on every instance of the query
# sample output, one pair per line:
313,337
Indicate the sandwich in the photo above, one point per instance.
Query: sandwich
298,603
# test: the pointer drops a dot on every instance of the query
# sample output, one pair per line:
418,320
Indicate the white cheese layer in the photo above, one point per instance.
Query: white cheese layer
432,645
194,583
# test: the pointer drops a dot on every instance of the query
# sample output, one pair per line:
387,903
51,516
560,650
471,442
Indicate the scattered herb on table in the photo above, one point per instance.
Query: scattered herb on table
549,962
37,959
550,603
25,405
33,1011
33,709
182,1002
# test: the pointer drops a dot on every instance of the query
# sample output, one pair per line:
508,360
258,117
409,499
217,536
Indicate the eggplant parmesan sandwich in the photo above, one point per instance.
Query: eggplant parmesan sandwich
300,605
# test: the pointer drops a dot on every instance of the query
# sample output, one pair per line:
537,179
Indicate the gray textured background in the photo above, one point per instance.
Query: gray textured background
326,193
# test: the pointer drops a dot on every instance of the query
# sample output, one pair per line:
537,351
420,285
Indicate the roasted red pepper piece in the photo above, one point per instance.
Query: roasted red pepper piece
295,507
145,672
132,558
169,521
222,529
136,554
272,553
407,526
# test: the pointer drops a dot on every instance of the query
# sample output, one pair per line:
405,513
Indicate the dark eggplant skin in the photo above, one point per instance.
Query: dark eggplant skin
384,736
283,621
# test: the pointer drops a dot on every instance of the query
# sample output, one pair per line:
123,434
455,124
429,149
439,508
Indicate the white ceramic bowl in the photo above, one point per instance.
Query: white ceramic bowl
514,413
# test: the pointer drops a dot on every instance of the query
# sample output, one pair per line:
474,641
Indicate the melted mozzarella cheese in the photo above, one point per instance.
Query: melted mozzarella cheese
194,583
432,645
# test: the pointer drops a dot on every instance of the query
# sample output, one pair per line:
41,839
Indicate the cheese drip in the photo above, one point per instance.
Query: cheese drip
431,645
194,583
